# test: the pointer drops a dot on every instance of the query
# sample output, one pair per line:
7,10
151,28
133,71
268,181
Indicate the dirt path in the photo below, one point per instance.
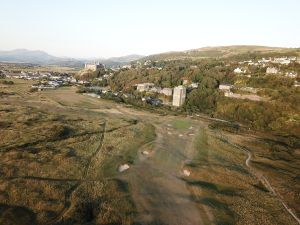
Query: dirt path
262,178
268,185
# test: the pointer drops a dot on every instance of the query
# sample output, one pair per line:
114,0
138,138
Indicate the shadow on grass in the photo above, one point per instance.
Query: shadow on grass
222,213
121,184
260,187
15,215
229,191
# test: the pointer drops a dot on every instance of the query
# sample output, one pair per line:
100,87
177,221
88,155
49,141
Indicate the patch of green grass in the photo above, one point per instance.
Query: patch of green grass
181,124
125,151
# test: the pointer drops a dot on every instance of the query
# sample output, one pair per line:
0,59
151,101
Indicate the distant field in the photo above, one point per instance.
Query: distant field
38,68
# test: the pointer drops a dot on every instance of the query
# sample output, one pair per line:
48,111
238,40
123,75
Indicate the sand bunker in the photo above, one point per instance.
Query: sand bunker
123,168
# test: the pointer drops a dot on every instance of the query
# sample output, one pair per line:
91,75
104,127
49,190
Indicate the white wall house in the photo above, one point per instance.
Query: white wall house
144,87
225,87
239,70
272,70
291,74
167,91
179,95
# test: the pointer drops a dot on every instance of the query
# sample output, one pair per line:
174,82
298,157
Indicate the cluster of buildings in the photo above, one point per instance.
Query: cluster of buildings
274,70
59,77
276,60
178,93
45,80
269,63
250,92
54,81
269,70
148,64
150,87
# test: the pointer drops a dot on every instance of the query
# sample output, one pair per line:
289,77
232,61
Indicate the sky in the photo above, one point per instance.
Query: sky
107,28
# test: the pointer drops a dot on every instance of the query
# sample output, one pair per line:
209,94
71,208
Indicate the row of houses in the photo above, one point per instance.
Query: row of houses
276,60
274,70
269,70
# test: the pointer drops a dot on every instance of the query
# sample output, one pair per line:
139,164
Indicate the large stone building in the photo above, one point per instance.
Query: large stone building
179,95
93,66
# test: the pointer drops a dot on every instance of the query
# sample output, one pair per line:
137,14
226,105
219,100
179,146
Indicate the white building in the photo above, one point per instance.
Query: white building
225,87
144,87
272,70
291,74
239,70
167,91
194,85
179,95
126,66
155,89
283,60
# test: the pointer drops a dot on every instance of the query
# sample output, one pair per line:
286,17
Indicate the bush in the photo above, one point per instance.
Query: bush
7,82
230,127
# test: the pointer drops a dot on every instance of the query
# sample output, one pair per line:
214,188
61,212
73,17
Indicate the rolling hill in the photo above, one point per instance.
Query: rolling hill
224,52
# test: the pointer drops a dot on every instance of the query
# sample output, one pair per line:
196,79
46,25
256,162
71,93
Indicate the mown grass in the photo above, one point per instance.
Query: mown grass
181,124
122,145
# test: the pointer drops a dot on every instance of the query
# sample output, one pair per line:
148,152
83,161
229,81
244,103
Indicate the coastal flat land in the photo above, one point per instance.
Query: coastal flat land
60,153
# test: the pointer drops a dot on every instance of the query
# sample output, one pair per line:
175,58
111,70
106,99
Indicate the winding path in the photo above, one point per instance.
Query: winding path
261,177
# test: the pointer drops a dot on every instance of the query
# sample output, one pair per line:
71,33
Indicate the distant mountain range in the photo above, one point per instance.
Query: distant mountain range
41,57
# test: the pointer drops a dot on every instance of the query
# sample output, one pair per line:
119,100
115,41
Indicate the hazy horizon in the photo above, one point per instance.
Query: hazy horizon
116,28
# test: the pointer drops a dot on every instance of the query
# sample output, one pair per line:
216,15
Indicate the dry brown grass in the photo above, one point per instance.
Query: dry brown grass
221,182
54,166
